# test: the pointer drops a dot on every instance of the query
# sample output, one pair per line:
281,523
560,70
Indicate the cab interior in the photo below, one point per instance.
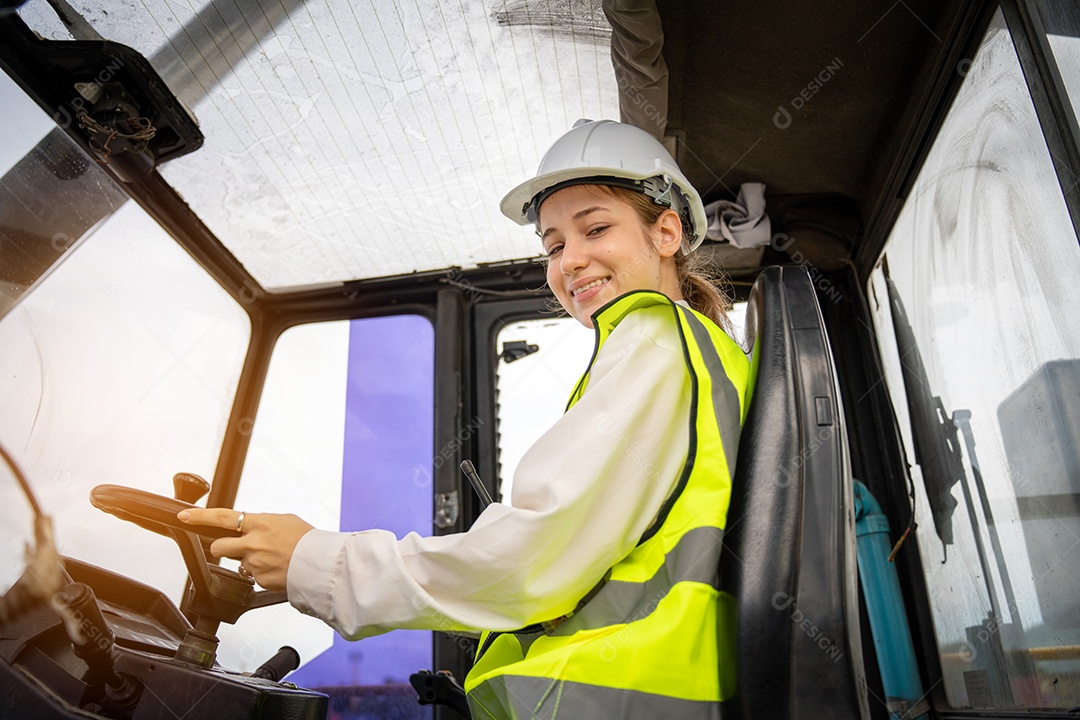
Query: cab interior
258,242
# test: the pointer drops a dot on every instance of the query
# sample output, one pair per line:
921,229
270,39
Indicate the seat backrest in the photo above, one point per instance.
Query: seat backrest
788,569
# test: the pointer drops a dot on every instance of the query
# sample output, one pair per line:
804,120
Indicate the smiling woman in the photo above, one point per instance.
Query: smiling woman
598,248
635,477
612,266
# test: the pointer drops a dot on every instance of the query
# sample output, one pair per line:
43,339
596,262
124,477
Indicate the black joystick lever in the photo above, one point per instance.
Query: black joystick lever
285,660
93,642
189,487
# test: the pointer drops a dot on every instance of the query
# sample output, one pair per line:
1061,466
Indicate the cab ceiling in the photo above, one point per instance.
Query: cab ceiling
817,101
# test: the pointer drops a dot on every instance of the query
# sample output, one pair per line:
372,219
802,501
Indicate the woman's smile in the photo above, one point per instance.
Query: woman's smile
597,249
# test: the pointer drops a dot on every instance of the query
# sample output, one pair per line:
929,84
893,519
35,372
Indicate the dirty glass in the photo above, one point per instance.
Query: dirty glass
974,307
363,139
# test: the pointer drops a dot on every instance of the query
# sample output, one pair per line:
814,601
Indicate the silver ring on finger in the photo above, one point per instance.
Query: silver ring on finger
244,572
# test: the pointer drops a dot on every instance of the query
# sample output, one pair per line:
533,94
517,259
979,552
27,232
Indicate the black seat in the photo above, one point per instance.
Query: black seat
789,559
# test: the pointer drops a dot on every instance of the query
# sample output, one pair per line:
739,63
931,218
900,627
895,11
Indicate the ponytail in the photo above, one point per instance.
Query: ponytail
700,281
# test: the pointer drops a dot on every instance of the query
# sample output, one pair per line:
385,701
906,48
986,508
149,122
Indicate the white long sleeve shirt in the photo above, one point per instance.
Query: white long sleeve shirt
582,497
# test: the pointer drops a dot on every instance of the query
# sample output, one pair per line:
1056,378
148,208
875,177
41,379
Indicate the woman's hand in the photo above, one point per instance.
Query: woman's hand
265,545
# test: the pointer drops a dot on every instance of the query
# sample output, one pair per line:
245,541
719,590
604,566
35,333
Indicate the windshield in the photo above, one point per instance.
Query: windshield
118,366
337,131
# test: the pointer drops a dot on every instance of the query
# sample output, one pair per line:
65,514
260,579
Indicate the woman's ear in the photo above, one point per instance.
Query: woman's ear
668,233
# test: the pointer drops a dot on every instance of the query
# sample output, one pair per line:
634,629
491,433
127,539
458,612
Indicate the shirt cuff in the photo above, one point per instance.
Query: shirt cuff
310,578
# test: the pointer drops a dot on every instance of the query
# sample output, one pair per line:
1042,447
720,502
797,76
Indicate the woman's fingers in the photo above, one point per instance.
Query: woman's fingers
219,518
267,543
229,547
212,517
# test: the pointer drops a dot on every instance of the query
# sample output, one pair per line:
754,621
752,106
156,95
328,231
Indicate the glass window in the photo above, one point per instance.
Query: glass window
343,438
532,389
974,305
319,115
120,367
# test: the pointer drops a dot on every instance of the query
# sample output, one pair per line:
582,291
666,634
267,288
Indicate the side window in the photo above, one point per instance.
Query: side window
540,362
344,423
974,305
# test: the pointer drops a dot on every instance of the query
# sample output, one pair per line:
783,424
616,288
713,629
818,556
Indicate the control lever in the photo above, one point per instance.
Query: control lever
189,487
94,643
215,594
285,660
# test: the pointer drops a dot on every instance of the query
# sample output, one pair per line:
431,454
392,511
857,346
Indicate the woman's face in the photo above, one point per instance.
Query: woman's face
598,249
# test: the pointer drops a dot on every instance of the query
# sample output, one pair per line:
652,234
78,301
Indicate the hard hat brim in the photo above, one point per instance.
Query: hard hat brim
515,203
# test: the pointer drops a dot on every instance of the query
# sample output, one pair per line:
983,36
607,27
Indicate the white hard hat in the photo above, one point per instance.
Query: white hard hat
605,152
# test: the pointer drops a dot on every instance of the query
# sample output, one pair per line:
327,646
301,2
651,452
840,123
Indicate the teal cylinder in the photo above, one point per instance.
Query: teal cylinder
885,607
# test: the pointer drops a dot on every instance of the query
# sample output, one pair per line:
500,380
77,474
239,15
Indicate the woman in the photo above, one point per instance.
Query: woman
596,584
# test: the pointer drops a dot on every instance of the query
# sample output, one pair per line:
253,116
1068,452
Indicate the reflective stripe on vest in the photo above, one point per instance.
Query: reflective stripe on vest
648,643
525,696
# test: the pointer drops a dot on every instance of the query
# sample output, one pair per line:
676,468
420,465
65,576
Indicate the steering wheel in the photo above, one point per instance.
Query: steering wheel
150,511
216,594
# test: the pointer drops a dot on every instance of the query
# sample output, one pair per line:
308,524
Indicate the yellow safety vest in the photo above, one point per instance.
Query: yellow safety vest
648,643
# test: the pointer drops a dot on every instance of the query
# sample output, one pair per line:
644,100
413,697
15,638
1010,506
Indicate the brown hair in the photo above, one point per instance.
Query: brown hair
699,277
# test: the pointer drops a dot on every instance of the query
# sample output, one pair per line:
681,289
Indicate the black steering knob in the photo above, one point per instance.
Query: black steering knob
189,487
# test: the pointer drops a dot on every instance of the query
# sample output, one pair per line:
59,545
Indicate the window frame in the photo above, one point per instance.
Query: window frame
1048,94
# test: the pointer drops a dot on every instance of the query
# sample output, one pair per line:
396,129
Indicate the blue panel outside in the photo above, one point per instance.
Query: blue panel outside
389,418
